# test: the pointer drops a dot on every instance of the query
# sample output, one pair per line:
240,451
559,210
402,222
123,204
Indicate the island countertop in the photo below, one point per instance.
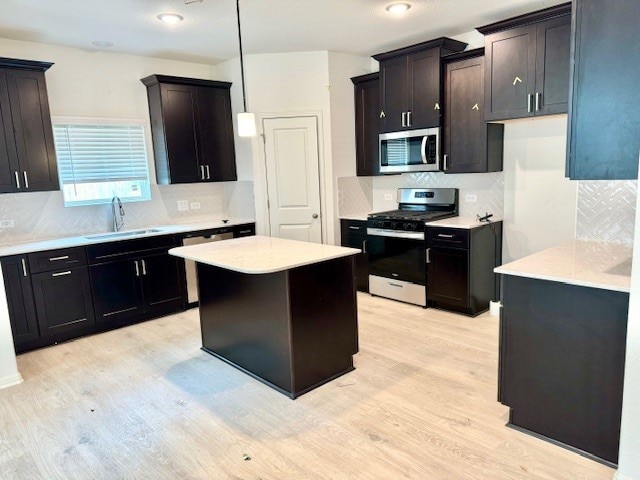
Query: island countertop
259,254
579,262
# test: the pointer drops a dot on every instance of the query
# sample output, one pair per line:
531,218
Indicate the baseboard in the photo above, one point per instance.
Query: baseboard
10,381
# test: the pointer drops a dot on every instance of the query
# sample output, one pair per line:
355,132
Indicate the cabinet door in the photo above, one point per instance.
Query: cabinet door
163,283
448,276
367,97
604,119
465,128
32,129
63,301
393,94
8,156
22,311
424,106
215,128
552,66
117,290
179,112
510,72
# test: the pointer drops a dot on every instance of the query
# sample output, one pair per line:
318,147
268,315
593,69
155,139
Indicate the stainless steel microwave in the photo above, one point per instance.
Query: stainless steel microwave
410,151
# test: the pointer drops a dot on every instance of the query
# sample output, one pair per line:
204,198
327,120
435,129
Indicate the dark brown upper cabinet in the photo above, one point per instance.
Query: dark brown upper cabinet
604,123
27,152
527,61
192,129
470,144
411,85
367,102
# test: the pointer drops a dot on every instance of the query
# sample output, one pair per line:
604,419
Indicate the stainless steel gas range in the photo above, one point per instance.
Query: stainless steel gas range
396,242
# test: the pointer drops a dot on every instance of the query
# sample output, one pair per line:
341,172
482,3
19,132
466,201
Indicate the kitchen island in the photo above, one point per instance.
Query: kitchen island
562,344
282,311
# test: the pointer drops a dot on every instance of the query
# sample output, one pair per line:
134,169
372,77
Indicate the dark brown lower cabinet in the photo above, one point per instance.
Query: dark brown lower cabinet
22,310
354,235
63,301
117,291
460,265
562,354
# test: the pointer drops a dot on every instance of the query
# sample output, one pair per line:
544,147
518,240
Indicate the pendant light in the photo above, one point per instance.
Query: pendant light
246,120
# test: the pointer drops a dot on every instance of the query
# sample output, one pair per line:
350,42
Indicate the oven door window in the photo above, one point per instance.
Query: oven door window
398,258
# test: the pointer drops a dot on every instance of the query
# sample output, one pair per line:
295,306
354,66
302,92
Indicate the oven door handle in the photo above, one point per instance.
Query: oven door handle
380,232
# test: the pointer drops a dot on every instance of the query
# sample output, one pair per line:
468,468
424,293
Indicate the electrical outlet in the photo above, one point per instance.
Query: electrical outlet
388,196
7,224
195,205
183,205
471,198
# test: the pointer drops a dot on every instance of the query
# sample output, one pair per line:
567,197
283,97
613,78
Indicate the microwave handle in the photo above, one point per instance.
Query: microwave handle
423,149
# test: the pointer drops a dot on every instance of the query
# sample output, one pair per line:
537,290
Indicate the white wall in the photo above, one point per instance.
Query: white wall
629,458
540,203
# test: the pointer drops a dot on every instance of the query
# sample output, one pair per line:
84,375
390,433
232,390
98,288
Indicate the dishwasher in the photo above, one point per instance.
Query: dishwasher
190,266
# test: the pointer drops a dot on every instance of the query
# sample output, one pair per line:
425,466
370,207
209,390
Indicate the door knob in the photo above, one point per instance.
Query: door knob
315,215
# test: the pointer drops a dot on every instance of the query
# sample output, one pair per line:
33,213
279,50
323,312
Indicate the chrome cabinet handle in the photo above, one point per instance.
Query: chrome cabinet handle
364,246
60,274
135,262
428,254
201,172
26,180
24,267
529,99
538,100
144,267
208,173
351,227
442,235
409,118
445,167
404,119
54,259
244,231
17,180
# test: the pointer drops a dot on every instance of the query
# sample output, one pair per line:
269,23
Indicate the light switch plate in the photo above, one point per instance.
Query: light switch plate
471,198
195,205
388,196
7,223
183,205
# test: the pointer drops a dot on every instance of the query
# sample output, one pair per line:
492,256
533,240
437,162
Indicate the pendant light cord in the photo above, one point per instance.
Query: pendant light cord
244,96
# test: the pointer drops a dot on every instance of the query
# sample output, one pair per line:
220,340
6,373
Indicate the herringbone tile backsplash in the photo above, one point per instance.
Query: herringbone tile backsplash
42,215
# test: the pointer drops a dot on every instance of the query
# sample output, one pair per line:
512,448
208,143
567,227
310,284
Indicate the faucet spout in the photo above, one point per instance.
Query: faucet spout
117,216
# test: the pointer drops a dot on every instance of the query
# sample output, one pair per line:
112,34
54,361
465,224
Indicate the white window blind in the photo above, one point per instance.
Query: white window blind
96,162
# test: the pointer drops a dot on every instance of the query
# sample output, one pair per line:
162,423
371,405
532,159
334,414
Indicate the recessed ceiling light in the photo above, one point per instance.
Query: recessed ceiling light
398,7
102,43
170,17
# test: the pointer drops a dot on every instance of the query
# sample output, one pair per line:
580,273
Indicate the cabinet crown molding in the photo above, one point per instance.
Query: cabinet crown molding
155,79
526,19
24,64
445,43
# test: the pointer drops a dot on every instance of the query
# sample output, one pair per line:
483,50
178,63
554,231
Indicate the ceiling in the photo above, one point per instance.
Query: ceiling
208,33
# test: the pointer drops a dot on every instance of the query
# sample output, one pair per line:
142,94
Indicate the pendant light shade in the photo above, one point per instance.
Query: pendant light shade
246,124
246,121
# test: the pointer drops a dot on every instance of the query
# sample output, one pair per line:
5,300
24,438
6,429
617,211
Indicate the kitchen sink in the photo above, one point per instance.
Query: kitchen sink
129,233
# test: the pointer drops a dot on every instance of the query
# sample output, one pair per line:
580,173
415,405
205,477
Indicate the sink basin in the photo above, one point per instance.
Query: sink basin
128,233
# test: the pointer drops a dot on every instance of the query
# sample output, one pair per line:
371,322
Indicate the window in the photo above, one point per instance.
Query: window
97,161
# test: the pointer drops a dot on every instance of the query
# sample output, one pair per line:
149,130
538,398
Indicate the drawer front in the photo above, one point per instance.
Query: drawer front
244,230
353,232
208,232
447,237
113,251
57,259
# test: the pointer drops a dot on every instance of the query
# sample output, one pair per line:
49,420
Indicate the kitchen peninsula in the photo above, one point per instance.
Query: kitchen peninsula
562,344
283,311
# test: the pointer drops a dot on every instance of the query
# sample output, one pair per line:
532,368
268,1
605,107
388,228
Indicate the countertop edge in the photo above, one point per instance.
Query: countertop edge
568,281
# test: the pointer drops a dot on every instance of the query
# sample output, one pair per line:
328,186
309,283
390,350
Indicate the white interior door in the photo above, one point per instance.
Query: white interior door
293,179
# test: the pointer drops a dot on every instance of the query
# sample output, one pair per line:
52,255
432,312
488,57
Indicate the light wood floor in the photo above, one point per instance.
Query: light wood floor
145,403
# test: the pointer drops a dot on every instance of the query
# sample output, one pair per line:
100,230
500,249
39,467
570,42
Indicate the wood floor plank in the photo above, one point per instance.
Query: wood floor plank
145,402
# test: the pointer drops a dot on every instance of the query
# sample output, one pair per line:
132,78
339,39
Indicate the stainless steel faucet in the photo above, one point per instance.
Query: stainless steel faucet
117,225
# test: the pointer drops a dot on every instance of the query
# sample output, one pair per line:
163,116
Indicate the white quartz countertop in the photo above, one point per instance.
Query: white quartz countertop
466,223
258,254
355,216
583,263
90,239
